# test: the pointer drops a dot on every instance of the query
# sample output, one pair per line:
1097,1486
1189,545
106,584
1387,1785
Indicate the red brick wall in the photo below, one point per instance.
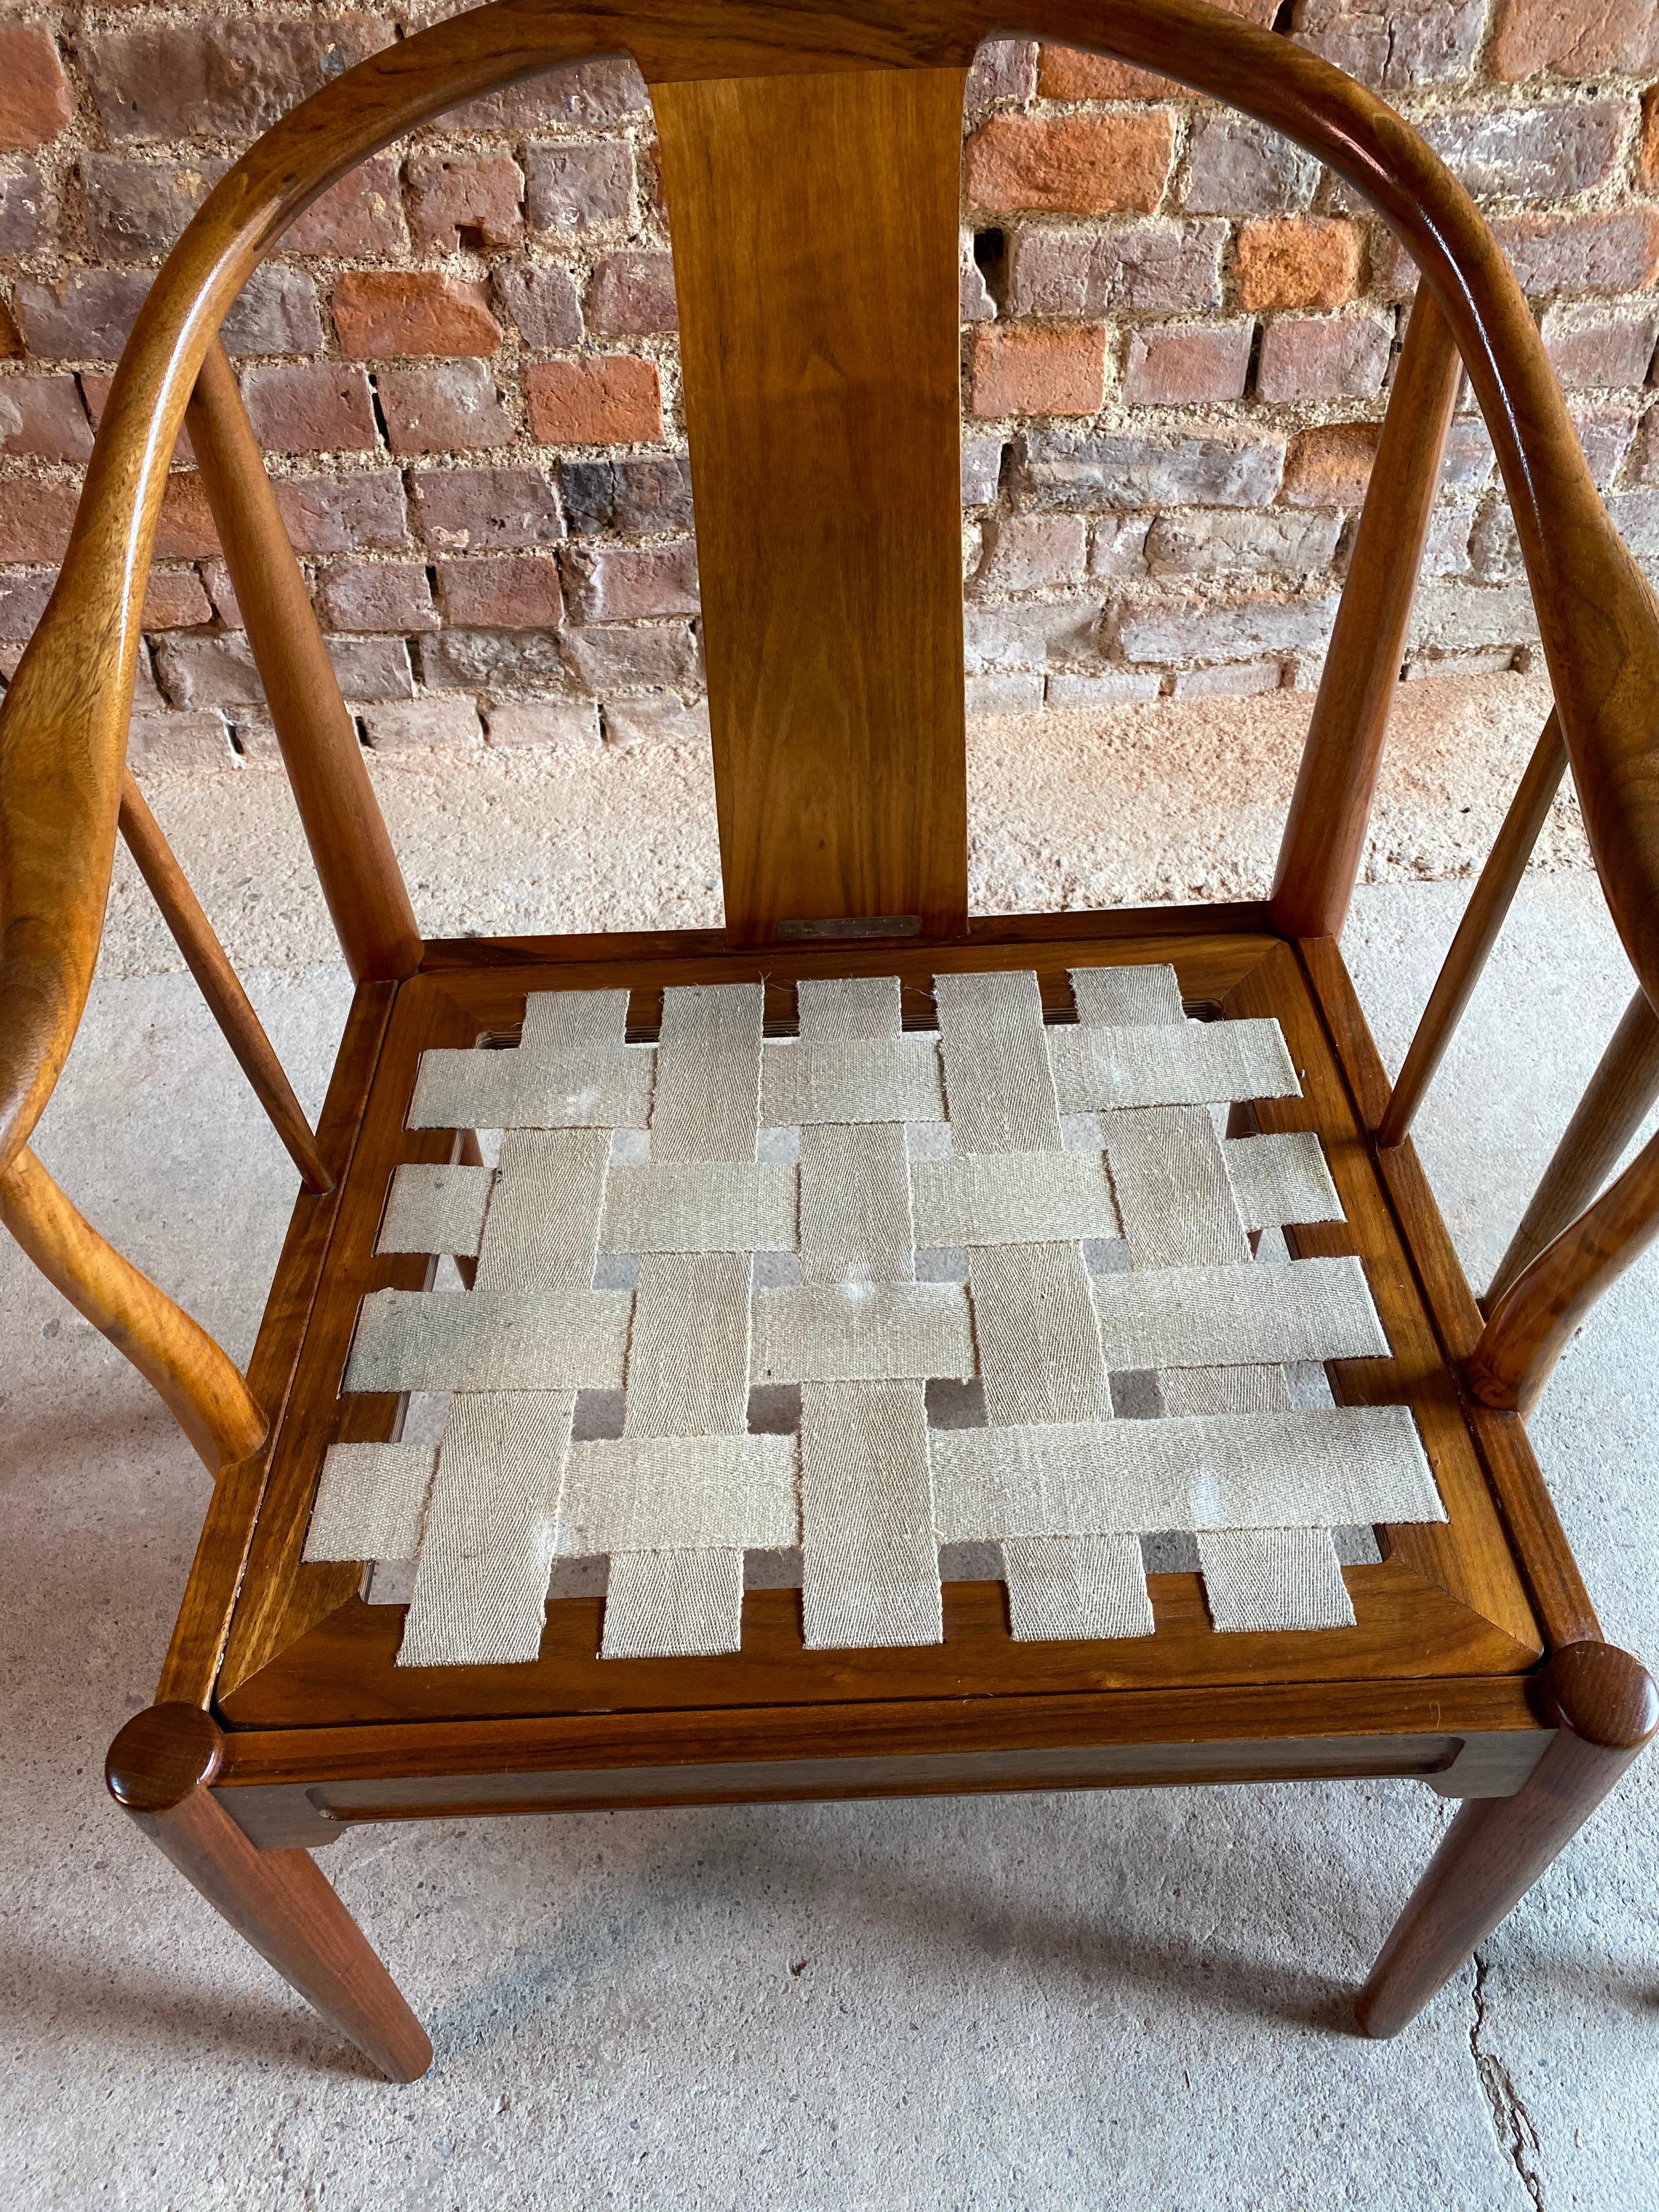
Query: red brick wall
1178,338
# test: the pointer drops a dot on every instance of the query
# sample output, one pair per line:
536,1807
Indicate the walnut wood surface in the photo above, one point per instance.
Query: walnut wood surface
1616,1099
219,983
174,1354
160,1768
1325,831
342,818
823,416
1605,1711
1476,934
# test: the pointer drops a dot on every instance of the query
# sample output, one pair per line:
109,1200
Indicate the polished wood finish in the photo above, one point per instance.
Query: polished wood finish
1605,1711
219,983
1615,1103
1476,933
1324,839
824,416
344,825
175,1355
160,1768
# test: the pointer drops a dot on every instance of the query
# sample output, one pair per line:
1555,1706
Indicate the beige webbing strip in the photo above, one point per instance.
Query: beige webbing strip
1039,1349
371,1502
1173,1193
1126,998
489,1340
994,1045
574,1021
700,1205
672,1604
1239,1317
480,1593
1274,1578
1199,1064
1281,1179
862,1333
677,1493
532,1088
543,1229
856,1006
1087,1586
855,1204
688,1366
708,1061
436,1209
1224,1390
1322,1466
1011,1198
869,1557
834,1078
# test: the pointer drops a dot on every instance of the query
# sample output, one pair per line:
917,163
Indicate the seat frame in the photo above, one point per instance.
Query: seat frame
1477,1664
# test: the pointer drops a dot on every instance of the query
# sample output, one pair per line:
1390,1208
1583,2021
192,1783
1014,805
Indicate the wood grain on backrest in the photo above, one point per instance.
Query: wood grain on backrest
814,221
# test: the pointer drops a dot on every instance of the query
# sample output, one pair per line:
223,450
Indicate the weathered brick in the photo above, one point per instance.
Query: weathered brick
1644,460
311,407
35,518
419,724
1226,629
571,188
382,311
625,583
1034,369
227,77
1536,38
1613,251
1241,679
1299,261
492,661
1003,68
1531,153
543,725
363,213
1393,45
1157,268
220,671
632,296
174,599
86,315
1606,436
1647,151
663,718
35,99
1034,552
1446,548
981,466
164,740
1453,615
487,510
1483,661
470,200
344,514
586,93
508,591
1070,164
1036,634
608,399
662,656
1224,541
1236,167
1067,73
1013,691
11,343
1107,686
185,531
1125,470
975,303
541,302
43,415
216,581
1183,363
22,602
371,668
1636,517
455,405
1469,459
1494,546
136,208
1595,348
275,312
628,496
376,596
1117,546
27,208
1330,465
1324,356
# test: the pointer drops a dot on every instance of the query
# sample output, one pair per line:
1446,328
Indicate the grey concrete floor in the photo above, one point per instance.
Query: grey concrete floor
1040,2001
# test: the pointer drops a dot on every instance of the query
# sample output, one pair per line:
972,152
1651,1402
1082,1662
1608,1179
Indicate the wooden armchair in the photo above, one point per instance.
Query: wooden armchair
925,1244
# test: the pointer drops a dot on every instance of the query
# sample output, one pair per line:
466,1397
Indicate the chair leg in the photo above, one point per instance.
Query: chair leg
1605,1710
158,1768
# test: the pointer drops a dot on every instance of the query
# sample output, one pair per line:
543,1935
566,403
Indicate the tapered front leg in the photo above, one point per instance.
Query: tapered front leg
160,1768
1605,1710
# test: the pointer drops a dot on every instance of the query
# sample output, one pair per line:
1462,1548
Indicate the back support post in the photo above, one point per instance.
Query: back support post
1325,834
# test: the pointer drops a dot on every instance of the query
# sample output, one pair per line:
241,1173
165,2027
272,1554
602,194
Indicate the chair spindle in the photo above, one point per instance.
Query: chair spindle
1325,832
366,893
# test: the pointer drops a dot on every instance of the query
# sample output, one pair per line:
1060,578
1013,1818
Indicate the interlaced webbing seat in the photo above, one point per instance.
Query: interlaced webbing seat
865,1349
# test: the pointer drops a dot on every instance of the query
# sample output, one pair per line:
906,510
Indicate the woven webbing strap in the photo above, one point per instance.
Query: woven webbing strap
852,1214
